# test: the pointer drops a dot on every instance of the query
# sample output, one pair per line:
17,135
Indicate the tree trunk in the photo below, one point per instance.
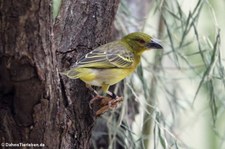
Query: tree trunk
37,105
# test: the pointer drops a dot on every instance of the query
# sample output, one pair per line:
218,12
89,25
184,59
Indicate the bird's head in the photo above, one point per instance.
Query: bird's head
139,42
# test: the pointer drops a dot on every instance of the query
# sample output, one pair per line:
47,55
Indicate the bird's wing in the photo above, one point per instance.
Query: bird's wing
111,55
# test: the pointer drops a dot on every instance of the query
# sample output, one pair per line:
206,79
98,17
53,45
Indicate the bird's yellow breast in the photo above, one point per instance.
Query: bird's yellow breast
97,77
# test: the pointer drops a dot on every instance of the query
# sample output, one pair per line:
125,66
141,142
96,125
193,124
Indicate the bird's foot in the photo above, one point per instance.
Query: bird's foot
101,104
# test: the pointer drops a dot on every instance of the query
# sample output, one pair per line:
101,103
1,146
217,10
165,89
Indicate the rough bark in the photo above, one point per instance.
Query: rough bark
37,105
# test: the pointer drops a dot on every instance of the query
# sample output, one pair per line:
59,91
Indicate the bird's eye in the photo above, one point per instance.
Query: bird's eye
141,41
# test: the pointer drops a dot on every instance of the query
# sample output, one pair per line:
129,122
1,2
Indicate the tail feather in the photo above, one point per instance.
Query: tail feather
72,73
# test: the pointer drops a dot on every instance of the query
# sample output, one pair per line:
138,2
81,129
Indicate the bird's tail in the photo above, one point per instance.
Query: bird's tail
72,73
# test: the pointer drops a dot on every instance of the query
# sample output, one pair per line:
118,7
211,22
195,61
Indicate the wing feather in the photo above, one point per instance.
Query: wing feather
111,55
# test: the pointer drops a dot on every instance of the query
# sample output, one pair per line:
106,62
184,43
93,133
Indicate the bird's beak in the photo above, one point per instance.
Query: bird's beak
154,44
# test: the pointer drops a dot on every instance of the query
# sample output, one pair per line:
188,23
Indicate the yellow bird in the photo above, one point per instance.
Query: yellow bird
112,62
